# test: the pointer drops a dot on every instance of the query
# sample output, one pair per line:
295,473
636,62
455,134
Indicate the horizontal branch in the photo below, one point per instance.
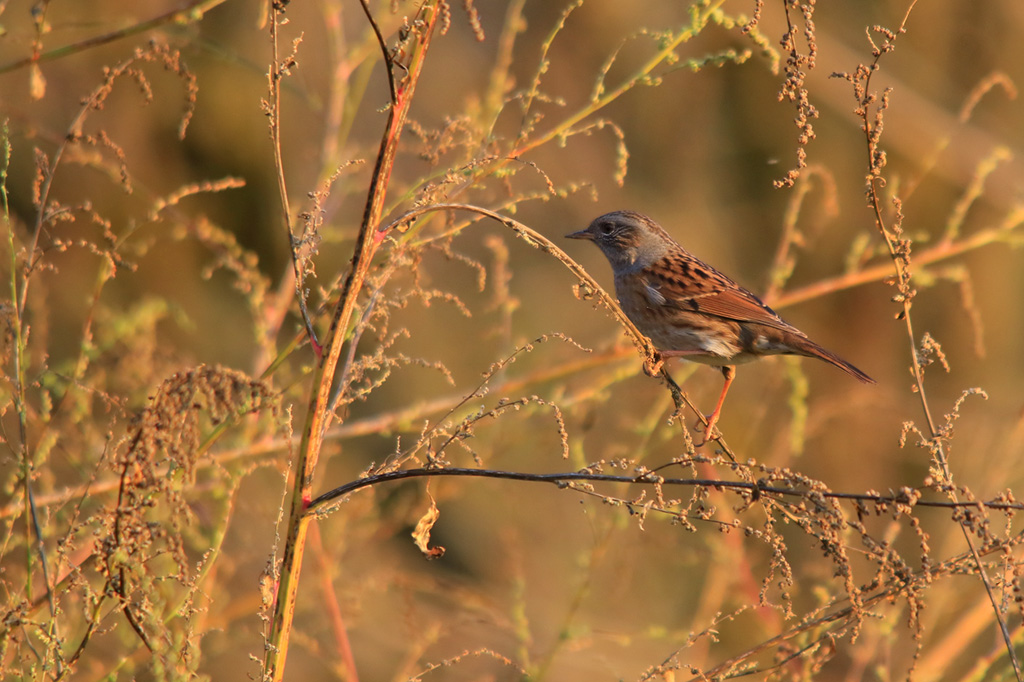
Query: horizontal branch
907,496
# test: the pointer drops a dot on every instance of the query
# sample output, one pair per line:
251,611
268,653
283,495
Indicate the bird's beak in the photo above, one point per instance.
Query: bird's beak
582,234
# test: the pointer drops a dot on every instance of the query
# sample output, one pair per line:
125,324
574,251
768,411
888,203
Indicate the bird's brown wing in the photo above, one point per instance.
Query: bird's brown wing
688,284
682,282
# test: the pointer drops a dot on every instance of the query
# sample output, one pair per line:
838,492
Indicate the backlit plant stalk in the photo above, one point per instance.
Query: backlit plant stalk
318,415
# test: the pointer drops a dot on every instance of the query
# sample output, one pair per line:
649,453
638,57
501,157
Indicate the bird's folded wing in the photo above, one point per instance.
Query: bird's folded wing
693,286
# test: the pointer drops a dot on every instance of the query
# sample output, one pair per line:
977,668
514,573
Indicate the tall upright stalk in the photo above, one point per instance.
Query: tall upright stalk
318,415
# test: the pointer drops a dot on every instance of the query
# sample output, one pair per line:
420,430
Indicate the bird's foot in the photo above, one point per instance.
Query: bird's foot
710,432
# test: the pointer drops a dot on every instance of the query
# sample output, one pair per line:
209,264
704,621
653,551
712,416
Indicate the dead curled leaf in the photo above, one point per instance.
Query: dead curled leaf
421,535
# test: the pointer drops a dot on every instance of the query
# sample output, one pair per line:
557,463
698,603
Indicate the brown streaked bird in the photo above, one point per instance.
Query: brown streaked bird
690,310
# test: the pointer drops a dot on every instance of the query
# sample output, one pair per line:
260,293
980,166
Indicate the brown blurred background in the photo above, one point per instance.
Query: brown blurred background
567,587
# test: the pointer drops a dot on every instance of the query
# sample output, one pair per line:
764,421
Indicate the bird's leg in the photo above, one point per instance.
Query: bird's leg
729,372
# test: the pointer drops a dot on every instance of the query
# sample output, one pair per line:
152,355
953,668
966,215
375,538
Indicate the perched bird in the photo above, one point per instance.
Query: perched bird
690,310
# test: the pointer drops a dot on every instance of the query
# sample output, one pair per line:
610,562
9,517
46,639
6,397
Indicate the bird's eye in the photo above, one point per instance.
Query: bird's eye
606,228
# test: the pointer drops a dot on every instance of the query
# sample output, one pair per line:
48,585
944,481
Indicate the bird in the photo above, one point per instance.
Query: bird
690,310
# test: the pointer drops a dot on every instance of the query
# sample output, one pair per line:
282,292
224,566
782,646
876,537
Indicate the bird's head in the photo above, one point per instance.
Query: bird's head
628,239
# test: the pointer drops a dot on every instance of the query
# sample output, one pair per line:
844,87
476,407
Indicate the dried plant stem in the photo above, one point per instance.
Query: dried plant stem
589,286
19,396
318,416
939,252
899,251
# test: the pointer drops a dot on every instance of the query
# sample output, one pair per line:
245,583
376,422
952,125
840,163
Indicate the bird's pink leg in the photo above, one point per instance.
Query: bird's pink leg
729,372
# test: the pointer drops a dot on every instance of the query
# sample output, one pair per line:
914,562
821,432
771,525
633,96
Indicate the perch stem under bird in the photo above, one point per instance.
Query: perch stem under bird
689,309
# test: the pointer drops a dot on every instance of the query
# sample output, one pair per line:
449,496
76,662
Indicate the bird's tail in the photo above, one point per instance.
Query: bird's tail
812,350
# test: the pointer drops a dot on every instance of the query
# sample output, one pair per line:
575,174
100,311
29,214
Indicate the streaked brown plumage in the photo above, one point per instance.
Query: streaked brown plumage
690,310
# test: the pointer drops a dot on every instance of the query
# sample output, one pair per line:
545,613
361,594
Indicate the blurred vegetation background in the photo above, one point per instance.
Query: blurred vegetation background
127,288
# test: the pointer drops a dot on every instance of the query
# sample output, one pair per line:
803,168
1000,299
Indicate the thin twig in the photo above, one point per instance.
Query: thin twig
388,59
278,71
